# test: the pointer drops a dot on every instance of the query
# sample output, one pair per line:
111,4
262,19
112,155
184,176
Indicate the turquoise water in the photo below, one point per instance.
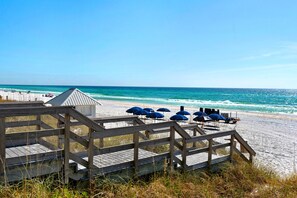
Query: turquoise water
259,100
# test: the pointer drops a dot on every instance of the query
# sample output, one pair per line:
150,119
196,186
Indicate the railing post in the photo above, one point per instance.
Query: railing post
210,142
136,151
91,153
184,154
251,158
66,147
194,134
2,148
231,147
101,140
38,126
60,138
171,147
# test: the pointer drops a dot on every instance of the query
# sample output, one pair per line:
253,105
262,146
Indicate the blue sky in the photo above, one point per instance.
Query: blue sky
196,43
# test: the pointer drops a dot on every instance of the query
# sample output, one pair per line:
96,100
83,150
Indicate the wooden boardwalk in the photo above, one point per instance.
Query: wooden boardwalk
29,154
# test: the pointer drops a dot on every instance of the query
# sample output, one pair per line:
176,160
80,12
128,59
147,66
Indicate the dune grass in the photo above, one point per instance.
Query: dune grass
238,180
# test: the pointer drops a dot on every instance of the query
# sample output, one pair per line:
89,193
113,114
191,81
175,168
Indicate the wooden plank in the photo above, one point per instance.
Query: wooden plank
38,119
210,142
166,130
177,160
66,148
46,126
79,139
112,149
241,155
34,134
201,150
47,144
90,153
22,123
136,151
24,111
231,146
156,142
131,129
178,145
34,158
78,160
171,148
85,120
244,144
184,154
210,136
2,145
181,131
20,104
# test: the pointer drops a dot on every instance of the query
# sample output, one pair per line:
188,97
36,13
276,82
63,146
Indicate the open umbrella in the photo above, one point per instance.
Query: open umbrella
155,115
216,116
199,113
178,117
133,109
163,110
202,119
183,113
149,109
140,112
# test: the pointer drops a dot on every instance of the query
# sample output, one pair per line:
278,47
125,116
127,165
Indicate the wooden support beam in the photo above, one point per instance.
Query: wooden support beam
211,136
38,119
136,151
2,146
66,148
210,142
21,123
90,153
231,147
184,154
25,111
171,148
194,134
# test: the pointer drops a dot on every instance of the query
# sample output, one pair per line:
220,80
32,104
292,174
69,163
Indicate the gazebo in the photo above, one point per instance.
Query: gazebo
81,101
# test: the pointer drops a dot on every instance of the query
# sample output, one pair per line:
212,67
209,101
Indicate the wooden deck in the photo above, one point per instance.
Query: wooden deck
28,154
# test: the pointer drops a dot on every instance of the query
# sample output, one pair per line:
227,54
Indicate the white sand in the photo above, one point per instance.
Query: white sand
272,136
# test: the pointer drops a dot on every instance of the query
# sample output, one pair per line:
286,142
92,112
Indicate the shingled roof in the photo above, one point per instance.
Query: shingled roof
73,97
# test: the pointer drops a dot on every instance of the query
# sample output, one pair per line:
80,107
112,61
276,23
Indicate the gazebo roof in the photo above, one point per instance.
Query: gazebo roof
73,97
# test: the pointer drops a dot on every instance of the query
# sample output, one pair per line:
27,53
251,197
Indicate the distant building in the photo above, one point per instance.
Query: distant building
81,101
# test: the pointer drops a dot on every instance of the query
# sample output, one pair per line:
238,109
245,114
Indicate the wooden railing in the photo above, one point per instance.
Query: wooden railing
179,142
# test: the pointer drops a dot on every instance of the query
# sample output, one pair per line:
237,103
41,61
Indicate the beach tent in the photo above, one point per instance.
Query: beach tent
81,101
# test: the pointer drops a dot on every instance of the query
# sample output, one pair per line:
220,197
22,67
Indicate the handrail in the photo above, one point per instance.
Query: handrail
210,136
20,104
26,111
85,120
244,144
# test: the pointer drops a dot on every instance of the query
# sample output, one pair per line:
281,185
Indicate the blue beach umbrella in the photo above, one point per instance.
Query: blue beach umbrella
149,109
178,117
155,115
216,116
140,112
163,110
133,109
199,113
183,113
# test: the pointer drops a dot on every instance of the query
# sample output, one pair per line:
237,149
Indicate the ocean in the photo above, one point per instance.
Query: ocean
255,100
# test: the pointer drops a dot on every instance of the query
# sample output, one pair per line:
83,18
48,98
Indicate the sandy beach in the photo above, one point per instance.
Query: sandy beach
272,136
